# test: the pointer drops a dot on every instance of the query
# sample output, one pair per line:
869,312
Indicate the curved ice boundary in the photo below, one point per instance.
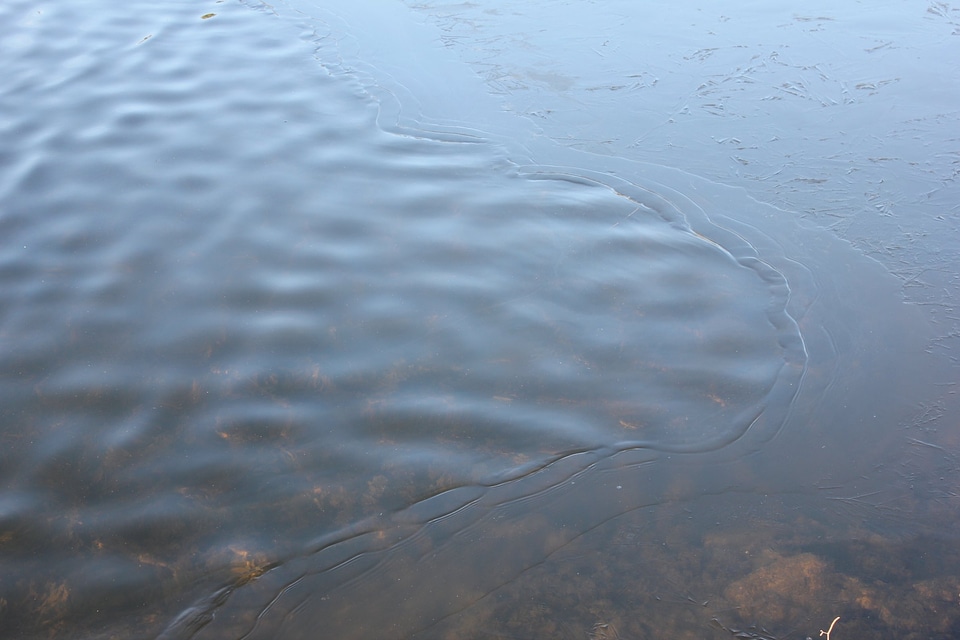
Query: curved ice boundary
276,598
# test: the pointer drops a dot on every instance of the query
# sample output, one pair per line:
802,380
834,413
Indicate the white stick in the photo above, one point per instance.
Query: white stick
828,631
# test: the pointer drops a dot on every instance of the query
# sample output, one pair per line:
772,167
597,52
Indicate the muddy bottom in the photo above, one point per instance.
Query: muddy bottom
713,569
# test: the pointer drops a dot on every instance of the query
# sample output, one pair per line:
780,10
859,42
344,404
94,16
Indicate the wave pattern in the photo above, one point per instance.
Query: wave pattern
274,340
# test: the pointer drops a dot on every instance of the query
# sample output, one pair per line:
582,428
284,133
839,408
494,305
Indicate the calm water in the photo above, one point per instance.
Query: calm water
558,320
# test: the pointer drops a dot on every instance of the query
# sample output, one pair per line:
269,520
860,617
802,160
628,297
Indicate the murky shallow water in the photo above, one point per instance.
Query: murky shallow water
395,323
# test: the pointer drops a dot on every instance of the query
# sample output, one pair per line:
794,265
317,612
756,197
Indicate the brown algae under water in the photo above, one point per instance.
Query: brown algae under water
815,478
629,543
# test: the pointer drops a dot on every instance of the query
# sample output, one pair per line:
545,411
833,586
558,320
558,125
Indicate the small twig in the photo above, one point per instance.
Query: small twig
828,631
626,216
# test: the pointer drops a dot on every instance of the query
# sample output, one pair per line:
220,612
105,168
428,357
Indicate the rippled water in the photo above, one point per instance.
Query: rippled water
478,321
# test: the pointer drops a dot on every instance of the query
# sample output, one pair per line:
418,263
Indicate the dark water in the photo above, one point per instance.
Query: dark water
559,320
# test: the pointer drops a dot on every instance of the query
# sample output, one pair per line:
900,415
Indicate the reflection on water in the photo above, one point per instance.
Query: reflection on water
305,326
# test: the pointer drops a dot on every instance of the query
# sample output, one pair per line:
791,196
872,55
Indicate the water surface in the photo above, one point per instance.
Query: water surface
478,321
